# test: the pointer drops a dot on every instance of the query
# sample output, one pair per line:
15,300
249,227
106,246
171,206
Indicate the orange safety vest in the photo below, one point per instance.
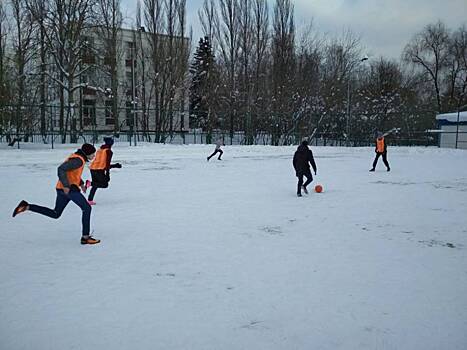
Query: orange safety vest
100,161
380,145
74,176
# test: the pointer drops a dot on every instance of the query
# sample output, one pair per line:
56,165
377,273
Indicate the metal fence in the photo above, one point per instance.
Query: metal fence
91,123
199,137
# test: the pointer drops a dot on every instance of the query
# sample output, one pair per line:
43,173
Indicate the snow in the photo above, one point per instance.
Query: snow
223,255
453,117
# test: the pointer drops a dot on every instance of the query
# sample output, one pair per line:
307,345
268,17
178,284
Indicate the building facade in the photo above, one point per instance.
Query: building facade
452,130
147,99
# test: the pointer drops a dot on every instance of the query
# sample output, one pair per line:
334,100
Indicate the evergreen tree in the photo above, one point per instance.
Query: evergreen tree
203,88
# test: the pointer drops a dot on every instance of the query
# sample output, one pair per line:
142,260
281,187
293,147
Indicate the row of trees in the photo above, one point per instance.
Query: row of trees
51,51
256,71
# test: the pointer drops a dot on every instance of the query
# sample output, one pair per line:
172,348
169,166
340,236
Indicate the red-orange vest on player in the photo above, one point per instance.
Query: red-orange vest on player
73,176
100,161
380,145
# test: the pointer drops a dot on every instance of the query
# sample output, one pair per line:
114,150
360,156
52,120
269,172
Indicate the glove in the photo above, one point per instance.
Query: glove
315,172
118,165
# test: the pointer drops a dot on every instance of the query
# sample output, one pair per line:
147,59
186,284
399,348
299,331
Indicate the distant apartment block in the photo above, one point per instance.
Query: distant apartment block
139,107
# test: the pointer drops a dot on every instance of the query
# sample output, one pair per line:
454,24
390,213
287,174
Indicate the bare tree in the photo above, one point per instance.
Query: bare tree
310,104
109,22
283,68
146,90
342,54
260,60
65,23
3,57
23,41
246,44
209,20
153,15
227,38
457,69
169,59
429,51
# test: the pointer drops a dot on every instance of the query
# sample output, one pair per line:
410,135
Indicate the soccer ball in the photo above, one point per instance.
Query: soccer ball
318,188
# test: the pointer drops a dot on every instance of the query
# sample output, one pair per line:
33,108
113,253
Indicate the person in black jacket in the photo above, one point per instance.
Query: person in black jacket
302,159
100,168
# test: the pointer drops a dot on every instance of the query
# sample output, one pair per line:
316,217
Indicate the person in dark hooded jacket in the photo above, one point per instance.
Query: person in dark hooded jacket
100,168
302,159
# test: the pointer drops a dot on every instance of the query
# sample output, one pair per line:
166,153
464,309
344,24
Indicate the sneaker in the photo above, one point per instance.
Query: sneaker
305,190
373,169
91,203
299,194
22,206
89,240
207,158
389,169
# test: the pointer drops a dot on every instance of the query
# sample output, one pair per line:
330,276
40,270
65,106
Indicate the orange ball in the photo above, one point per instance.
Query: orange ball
318,188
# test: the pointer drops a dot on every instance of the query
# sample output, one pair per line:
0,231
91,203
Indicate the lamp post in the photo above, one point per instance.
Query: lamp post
347,124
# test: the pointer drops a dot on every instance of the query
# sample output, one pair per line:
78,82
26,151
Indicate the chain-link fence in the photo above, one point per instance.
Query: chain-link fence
133,124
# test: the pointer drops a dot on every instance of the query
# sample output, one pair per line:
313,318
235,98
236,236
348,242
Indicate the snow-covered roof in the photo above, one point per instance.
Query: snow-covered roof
452,117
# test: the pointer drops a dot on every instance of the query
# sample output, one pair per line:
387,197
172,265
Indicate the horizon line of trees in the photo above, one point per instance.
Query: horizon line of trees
254,71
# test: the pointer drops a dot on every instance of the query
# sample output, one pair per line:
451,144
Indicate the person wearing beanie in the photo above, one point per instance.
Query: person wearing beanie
68,188
302,159
381,150
100,168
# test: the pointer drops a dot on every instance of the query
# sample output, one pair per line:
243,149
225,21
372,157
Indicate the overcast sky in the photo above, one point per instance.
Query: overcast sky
385,26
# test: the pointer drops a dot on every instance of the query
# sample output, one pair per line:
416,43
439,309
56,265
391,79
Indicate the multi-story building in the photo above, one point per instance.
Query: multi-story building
143,103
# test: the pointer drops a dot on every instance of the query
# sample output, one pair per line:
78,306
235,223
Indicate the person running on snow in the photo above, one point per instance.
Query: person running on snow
381,150
219,143
302,159
68,188
100,168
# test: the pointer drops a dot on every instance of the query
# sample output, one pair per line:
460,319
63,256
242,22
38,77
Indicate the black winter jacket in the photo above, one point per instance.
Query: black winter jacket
302,159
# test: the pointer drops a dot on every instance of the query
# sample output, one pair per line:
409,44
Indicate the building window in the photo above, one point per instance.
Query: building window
109,117
89,112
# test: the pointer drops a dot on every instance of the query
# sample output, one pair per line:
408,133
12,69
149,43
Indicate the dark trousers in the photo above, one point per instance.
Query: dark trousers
214,153
300,175
99,180
61,202
385,160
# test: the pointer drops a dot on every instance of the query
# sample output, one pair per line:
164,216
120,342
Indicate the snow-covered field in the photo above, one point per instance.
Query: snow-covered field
222,255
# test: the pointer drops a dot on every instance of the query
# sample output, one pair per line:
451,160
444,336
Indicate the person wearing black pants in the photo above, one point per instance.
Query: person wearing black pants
68,189
100,168
302,159
219,143
381,151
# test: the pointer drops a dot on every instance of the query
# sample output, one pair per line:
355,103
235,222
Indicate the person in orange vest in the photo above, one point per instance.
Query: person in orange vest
381,150
100,168
68,188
